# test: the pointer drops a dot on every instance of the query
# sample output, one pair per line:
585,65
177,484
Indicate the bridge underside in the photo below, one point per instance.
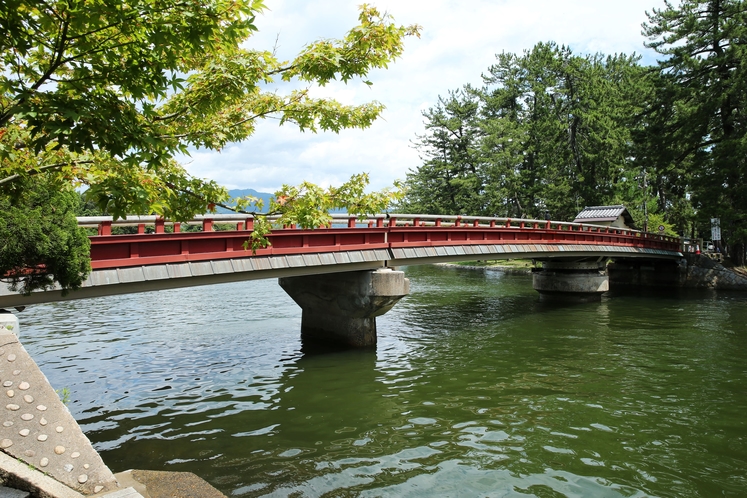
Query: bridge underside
170,276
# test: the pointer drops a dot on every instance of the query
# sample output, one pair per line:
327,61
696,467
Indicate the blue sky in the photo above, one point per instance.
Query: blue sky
459,42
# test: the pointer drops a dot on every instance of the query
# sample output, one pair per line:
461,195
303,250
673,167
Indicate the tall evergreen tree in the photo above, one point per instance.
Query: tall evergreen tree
704,80
450,179
550,132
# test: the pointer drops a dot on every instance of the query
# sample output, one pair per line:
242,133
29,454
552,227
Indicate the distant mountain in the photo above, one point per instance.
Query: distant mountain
244,192
261,195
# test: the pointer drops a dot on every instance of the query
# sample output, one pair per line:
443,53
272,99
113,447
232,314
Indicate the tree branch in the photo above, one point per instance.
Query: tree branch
41,169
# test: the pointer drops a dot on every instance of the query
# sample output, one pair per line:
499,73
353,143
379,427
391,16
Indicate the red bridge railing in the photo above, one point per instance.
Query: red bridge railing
159,241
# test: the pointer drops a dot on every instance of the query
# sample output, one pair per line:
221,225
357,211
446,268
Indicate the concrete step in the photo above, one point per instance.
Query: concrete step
6,492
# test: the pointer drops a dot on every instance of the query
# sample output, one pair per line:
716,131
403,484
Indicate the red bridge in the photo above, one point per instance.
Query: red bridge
355,256
378,232
163,254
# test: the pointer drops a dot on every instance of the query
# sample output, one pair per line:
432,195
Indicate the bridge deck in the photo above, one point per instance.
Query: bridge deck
151,261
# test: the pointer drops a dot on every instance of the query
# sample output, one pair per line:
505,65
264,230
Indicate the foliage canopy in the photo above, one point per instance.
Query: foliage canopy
103,94
551,131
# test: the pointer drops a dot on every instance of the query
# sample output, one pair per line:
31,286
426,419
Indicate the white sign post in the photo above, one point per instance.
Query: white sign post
715,229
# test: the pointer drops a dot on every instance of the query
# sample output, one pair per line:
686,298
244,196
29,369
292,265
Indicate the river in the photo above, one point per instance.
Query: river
475,389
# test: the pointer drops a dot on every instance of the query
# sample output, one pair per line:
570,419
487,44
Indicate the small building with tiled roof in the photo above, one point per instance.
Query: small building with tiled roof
611,216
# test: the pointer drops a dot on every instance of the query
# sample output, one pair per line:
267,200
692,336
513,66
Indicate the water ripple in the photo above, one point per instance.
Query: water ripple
475,389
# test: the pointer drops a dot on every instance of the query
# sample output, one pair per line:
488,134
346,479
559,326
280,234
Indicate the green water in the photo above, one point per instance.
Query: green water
475,389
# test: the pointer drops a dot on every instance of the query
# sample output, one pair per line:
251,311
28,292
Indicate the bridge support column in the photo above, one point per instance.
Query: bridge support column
571,281
342,308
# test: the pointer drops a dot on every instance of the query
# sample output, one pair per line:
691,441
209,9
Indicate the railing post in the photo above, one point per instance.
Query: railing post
416,222
207,225
476,223
438,222
458,221
392,222
547,225
249,224
379,222
160,225
141,228
521,225
492,223
351,222
105,228
177,227
508,223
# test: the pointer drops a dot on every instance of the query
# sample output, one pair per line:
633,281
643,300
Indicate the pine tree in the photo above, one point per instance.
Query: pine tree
704,80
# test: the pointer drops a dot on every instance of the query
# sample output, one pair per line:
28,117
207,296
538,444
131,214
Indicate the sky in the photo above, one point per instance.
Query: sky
459,41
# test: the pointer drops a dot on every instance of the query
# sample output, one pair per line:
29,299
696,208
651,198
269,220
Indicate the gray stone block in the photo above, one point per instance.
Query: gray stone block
179,270
356,257
222,266
129,275
104,277
311,260
155,272
327,259
277,262
201,268
370,256
381,254
261,264
295,261
242,265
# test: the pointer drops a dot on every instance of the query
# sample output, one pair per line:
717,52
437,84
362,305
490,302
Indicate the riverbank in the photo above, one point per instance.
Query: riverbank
695,271
702,271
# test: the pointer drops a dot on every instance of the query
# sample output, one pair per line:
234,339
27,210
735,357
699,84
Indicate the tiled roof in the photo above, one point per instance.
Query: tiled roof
590,214
609,213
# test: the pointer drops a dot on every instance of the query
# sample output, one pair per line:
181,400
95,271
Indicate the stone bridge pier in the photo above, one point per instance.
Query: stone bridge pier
571,281
341,308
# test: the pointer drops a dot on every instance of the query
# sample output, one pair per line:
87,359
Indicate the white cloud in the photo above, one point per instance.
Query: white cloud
459,42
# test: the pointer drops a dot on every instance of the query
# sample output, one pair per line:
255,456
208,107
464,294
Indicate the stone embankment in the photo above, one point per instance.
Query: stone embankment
702,271
692,271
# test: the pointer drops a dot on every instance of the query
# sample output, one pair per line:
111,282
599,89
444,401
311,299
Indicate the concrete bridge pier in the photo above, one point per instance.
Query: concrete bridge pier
341,308
568,281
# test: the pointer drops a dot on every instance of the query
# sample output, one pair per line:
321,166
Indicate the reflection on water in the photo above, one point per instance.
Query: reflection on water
475,389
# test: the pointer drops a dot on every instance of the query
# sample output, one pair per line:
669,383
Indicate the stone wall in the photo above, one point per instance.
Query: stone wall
693,271
702,271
